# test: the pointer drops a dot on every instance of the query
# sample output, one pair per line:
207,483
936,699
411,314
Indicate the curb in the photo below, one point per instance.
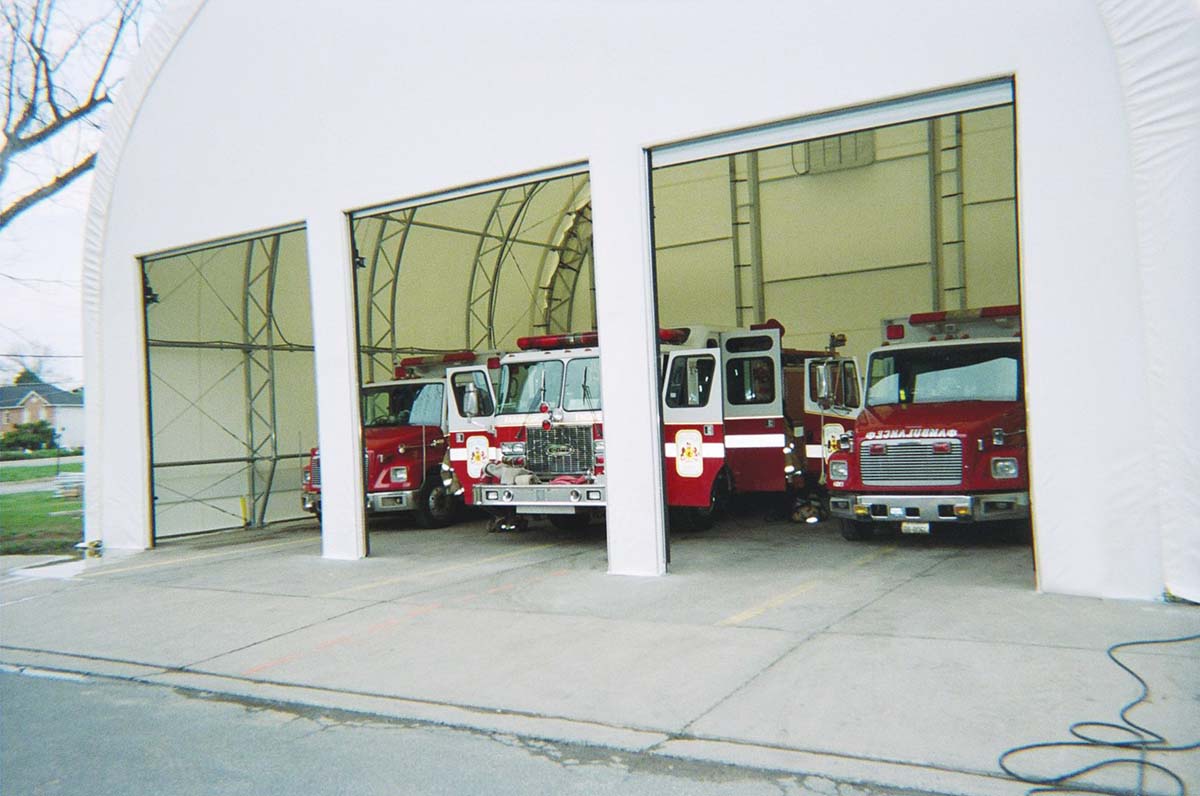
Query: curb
822,773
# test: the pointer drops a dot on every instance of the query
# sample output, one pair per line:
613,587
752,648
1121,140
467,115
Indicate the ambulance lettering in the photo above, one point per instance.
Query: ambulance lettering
911,433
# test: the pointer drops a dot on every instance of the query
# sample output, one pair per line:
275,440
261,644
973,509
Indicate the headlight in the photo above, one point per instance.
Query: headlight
997,437
308,476
398,475
839,469
400,449
1005,468
512,452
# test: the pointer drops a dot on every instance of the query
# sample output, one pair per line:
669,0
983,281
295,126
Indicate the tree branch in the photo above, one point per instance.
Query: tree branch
20,144
59,78
57,184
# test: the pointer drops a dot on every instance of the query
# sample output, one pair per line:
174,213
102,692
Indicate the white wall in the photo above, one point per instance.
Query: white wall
70,421
263,112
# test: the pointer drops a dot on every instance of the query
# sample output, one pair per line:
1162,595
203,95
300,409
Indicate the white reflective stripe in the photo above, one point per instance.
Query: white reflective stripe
814,451
710,450
755,441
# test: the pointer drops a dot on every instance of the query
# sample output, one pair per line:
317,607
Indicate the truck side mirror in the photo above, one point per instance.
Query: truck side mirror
824,384
470,400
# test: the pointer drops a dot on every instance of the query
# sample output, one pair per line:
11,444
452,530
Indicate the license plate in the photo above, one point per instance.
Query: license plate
914,527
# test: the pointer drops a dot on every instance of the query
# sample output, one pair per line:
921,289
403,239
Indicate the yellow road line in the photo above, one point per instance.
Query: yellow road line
767,605
791,594
189,559
440,570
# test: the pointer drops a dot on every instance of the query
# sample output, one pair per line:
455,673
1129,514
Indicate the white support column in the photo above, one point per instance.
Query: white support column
626,319
331,282
117,450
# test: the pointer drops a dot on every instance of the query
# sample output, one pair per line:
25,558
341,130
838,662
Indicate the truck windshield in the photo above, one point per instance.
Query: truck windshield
404,405
525,386
582,390
984,372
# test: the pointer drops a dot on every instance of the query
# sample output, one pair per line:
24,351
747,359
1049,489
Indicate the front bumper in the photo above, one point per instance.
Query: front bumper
311,502
932,508
541,498
383,502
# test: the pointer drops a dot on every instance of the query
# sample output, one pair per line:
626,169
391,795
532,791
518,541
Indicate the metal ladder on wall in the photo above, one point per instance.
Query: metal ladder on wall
745,211
948,241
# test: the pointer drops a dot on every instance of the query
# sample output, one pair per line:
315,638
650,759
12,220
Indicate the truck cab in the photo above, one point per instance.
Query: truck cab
404,445
941,437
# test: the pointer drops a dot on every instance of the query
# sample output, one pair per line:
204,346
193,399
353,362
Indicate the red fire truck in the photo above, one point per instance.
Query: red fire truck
404,442
941,438
731,407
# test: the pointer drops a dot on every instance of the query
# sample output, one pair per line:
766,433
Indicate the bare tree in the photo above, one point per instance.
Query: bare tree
59,77
38,361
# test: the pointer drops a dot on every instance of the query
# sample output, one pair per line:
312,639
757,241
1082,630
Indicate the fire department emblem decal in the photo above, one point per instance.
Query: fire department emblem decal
689,453
477,453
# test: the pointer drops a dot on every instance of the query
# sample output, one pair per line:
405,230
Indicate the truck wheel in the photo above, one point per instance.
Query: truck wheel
571,522
855,531
435,505
702,518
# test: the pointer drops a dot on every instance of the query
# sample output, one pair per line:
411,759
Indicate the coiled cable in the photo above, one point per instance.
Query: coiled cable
1134,741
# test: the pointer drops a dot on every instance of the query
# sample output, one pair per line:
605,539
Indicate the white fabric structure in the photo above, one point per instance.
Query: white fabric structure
239,118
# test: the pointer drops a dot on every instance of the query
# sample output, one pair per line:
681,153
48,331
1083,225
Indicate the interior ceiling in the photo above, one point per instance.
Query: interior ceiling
828,235
475,272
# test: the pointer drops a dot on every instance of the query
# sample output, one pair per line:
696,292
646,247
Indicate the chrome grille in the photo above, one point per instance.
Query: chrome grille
911,463
559,450
316,472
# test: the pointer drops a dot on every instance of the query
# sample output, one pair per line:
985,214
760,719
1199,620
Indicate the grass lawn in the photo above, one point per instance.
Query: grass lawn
11,474
26,524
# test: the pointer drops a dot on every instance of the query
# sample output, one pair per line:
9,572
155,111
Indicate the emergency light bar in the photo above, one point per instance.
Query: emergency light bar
402,370
957,316
543,341
895,331
588,339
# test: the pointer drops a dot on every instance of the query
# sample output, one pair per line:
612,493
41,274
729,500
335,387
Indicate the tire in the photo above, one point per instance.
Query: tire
435,506
856,531
571,522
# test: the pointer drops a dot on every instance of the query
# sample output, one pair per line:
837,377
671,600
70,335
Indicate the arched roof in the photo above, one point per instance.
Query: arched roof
238,118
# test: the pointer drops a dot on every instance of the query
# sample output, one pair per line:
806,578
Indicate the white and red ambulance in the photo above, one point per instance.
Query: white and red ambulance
941,438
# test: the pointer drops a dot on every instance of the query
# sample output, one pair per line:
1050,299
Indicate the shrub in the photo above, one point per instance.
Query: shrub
33,436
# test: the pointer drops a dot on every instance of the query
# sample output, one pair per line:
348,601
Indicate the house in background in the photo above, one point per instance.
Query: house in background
29,399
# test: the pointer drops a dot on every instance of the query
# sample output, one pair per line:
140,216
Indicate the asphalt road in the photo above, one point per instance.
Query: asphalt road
95,736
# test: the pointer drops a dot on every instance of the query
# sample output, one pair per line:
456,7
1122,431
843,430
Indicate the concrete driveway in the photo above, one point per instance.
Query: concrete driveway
909,662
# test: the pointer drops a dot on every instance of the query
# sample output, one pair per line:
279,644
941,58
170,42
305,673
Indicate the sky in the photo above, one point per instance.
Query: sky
41,251
40,308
